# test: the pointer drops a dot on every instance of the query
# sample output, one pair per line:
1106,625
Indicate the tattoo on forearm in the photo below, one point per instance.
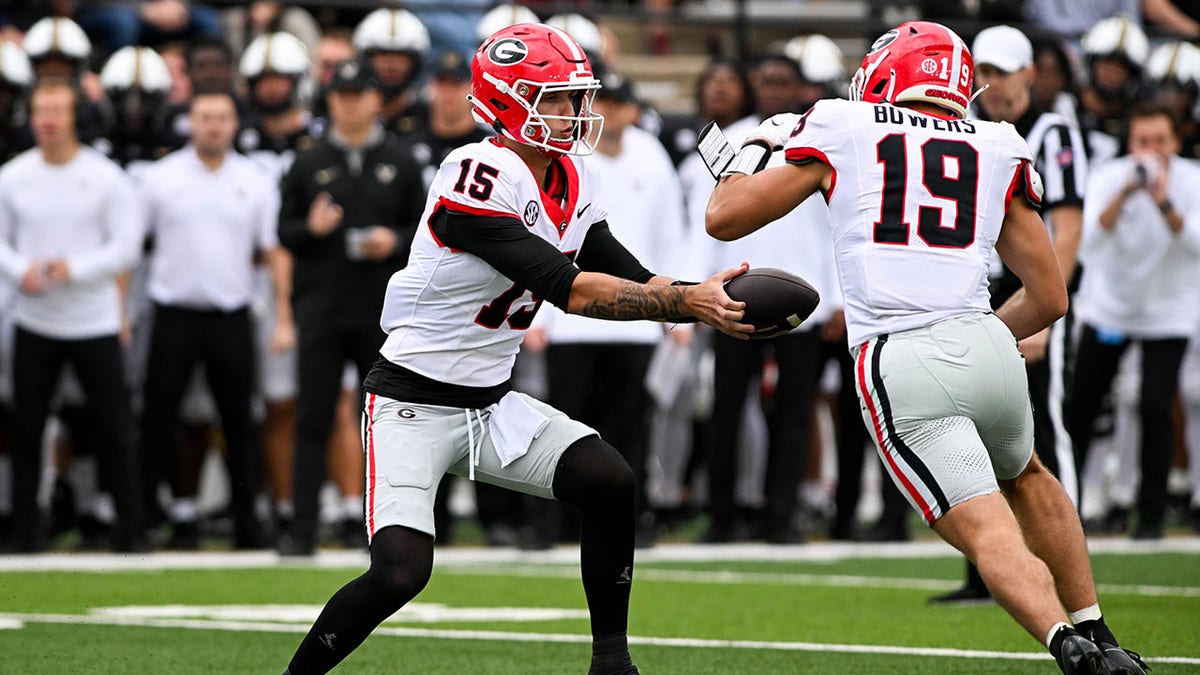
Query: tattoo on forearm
635,301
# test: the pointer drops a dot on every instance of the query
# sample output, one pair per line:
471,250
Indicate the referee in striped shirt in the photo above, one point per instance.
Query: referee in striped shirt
1004,71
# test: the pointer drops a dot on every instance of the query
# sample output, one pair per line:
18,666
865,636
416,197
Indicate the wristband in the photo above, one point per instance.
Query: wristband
681,282
751,159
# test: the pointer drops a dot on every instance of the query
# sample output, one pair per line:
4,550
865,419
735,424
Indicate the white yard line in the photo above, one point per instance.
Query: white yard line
507,636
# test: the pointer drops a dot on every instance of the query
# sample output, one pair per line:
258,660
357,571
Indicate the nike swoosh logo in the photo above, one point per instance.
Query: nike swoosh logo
579,213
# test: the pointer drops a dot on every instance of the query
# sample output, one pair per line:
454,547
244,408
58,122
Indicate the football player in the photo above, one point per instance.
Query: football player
509,222
918,198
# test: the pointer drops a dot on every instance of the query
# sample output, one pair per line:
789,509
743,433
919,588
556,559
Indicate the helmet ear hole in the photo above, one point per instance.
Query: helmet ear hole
879,87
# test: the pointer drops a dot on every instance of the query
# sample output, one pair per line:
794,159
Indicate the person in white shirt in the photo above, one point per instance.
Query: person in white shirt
70,224
1141,284
212,213
918,197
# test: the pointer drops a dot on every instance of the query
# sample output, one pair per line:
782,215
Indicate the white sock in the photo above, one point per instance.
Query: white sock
1091,613
1054,629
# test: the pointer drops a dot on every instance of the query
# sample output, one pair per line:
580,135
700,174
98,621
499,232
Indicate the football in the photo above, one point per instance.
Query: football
776,301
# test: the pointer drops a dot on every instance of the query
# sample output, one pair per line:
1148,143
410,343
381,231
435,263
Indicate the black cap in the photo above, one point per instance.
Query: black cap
452,66
353,75
613,85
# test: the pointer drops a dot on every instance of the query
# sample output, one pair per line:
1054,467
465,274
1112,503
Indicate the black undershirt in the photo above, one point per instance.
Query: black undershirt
533,263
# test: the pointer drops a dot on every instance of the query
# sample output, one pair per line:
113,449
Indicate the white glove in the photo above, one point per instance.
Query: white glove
774,131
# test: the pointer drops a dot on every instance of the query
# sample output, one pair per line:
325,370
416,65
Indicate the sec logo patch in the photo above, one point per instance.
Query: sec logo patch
532,211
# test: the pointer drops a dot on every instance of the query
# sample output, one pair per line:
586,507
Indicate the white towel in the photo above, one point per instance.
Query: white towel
514,425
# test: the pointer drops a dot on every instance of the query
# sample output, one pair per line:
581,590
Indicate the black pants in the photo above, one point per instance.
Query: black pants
322,355
224,342
1095,367
603,386
37,364
789,421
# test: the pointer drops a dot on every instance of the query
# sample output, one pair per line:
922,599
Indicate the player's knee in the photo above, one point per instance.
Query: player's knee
401,563
399,582
592,472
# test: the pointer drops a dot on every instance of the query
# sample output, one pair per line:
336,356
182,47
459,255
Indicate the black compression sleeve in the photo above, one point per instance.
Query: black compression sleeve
601,252
507,245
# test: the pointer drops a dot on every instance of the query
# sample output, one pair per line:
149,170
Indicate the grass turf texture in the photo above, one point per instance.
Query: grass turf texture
756,601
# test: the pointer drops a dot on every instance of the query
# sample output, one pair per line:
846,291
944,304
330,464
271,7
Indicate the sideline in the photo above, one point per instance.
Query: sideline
814,552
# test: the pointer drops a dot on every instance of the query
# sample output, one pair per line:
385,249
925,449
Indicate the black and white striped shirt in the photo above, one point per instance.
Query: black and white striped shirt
1059,155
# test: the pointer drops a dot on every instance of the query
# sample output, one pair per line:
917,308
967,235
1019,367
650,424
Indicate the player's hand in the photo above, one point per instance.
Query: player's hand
283,337
1158,184
709,303
33,281
57,271
379,244
1033,348
774,131
323,215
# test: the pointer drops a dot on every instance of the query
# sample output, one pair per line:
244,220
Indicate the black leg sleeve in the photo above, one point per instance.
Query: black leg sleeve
401,563
594,478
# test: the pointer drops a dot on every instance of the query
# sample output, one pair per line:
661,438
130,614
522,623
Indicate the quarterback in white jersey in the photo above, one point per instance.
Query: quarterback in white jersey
450,315
918,198
509,223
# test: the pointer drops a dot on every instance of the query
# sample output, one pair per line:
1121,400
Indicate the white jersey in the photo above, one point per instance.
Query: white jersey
916,204
449,315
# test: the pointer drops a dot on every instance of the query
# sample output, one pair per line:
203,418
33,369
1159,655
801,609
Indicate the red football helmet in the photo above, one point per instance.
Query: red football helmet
917,61
518,65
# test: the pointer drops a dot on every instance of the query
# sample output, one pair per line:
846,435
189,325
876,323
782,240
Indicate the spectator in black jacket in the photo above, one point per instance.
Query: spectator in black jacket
349,210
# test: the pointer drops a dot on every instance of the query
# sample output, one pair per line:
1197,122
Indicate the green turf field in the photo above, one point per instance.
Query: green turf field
754,610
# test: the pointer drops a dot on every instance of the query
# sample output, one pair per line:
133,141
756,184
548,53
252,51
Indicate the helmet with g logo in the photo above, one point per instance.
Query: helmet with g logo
515,68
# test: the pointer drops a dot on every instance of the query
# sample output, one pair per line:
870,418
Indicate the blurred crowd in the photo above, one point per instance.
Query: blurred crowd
199,210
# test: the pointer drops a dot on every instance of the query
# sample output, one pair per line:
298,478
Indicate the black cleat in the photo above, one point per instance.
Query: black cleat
1122,661
1080,656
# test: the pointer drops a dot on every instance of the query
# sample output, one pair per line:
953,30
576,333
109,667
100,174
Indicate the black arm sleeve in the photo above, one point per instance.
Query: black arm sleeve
507,245
601,252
